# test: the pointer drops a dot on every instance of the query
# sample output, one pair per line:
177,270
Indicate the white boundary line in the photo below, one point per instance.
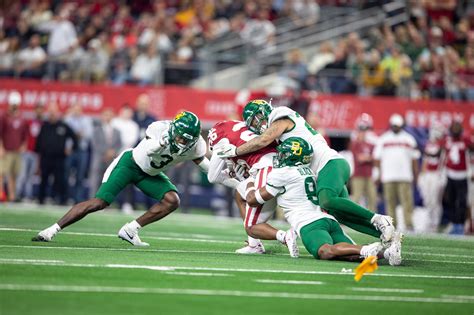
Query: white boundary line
200,292
289,282
397,290
171,268
199,274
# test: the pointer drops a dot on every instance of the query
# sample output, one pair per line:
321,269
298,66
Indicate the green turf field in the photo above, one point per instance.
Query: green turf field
191,268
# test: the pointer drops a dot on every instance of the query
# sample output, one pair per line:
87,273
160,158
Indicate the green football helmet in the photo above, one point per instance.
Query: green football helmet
293,151
256,114
184,132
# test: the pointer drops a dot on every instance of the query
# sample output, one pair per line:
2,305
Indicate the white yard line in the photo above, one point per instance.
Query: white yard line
396,290
170,268
198,274
145,237
31,260
200,292
289,282
463,297
436,254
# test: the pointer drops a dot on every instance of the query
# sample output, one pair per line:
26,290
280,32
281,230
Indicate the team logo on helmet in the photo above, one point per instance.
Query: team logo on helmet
293,151
184,132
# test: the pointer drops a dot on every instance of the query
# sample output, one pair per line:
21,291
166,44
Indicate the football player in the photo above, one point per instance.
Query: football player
166,144
333,171
293,183
260,165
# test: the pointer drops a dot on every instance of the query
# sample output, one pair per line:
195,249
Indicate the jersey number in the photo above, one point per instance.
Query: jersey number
308,126
168,159
310,187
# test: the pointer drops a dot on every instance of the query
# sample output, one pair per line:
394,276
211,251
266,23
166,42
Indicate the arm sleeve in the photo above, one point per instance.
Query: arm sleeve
415,152
276,181
378,149
217,173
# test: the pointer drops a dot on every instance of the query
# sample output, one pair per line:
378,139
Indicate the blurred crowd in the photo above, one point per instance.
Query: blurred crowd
429,56
432,170
137,42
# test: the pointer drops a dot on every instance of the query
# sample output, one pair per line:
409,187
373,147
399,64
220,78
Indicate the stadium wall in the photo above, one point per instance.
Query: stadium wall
336,112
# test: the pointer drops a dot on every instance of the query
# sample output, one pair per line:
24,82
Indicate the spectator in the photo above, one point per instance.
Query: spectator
146,68
373,75
259,32
431,182
52,150
295,67
106,145
94,63
13,135
141,115
61,43
31,59
362,147
304,12
321,59
24,187
9,57
457,149
129,132
78,160
397,158
466,80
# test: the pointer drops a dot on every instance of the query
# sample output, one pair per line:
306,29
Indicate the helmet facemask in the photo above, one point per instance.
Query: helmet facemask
183,132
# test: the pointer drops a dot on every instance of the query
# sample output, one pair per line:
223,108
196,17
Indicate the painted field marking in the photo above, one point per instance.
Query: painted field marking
289,282
261,294
395,290
199,274
439,255
162,238
31,260
464,297
170,268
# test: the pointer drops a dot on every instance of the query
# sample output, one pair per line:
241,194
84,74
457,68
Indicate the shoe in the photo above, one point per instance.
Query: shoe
42,236
371,249
130,236
257,249
394,253
458,229
291,242
127,208
384,224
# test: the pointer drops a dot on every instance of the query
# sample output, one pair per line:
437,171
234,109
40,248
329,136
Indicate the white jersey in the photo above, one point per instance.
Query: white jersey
295,188
153,159
322,152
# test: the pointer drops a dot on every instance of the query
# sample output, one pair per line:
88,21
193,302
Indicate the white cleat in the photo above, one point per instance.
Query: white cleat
257,249
131,236
43,236
394,253
291,242
384,224
371,250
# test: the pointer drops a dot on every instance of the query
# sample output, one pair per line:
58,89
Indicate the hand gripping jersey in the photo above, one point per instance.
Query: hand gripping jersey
322,152
236,133
295,188
160,161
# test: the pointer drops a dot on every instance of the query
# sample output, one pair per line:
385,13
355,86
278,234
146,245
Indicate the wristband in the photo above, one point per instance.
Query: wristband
249,190
259,197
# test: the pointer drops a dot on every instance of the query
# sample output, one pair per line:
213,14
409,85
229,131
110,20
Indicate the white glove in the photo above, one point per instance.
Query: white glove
226,151
165,140
239,172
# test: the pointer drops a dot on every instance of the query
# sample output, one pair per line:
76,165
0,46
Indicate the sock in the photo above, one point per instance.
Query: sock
364,251
253,241
281,236
134,225
53,229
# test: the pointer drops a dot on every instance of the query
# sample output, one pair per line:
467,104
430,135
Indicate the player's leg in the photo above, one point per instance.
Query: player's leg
318,240
405,193
332,197
254,245
117,176
160,188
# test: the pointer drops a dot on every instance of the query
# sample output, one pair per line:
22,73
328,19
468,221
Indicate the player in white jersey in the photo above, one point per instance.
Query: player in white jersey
293,183
333,171
166,144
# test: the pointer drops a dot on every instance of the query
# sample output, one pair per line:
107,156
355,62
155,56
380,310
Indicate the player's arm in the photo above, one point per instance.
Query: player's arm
217,173
257,197
271,134
203,164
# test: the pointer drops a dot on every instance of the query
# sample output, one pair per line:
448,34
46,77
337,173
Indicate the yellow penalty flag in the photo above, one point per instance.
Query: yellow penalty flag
367,265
